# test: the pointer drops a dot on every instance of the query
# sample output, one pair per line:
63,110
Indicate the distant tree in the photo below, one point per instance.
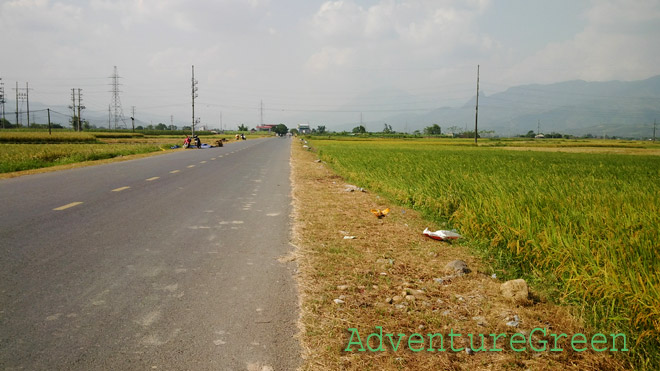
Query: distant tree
388,129
417,132
530,134
139,127
186,128
294,131
150,127
320,129
359,129
435,129
161,126
242,127
281,129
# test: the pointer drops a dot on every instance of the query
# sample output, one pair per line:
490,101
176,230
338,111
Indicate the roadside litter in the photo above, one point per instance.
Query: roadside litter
380,213
441,235
175,146
352,188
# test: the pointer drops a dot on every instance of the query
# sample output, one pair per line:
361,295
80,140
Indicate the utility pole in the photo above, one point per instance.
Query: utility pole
133,117
221,129
538,127
262,113
654,123
22,96
2,101
49,132
27,100
17,95
73,110
194,95
80,107
476,110
171,122
109,115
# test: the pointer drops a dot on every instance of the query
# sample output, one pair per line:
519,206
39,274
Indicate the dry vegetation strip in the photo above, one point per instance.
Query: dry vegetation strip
388,258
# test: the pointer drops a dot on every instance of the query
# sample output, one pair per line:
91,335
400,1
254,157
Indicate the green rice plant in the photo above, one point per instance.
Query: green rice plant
586,222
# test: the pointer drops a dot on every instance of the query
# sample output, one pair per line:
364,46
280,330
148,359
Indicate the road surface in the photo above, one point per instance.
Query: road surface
163,263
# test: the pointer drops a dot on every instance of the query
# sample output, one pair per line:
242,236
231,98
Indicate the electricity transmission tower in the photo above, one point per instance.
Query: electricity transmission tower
118,112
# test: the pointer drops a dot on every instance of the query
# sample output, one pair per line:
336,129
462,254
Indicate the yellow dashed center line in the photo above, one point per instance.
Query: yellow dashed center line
213,159
120,189
191,165
174,171
67,206
202,162
153,178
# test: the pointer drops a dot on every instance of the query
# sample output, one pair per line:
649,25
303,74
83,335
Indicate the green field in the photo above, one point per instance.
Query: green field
583,226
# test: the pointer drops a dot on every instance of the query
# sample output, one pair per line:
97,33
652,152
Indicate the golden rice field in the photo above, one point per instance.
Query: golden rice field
17,157
25,150
585,225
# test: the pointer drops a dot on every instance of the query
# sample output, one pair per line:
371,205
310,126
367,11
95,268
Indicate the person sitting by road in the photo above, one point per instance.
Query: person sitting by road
198,142
186,142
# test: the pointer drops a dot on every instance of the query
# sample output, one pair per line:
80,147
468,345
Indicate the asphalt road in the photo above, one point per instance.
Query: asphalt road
163,263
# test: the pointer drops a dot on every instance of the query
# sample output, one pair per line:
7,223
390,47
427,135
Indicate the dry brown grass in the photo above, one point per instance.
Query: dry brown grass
391,257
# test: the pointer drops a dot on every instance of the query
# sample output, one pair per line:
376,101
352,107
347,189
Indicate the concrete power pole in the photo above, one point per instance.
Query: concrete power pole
27,101
2,101
262,113
194,95
17,103
80,107
476,110
74,124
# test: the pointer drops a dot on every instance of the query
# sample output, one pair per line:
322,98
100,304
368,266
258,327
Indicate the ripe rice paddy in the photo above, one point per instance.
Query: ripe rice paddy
584,225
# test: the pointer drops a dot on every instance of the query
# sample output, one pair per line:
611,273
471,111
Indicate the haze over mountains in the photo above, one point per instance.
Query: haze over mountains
612,108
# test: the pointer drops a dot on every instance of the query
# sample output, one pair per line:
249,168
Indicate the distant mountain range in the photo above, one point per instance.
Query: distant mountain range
613,108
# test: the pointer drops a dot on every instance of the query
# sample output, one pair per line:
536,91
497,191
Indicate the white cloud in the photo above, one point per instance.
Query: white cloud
615,44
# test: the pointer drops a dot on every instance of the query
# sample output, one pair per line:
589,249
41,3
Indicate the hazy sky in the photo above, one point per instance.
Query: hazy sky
312,59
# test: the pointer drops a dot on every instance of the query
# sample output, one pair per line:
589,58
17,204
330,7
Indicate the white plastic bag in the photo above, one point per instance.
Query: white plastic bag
442,235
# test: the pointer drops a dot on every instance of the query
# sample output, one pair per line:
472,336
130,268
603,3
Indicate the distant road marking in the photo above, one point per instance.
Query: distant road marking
120,189
202,162
153,178
191,165
67,206
174,171
213,159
